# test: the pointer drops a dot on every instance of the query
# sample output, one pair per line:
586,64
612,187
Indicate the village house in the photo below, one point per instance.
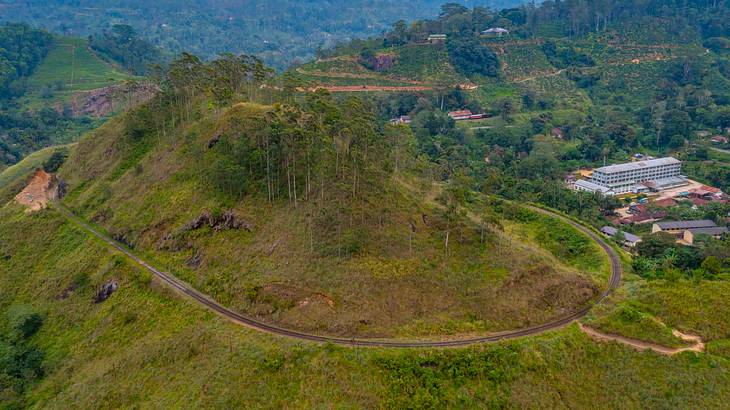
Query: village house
719,139
630,240
462,115
403,119
678,228
436,39
691,234
496,31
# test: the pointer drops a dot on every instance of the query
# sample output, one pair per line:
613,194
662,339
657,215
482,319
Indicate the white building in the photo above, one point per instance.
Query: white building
635,177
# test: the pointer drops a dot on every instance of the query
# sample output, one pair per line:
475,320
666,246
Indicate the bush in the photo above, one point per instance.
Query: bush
54,162
470,57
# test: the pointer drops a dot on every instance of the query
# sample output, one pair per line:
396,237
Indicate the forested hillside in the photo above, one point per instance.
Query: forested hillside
561,90
278,32
21,49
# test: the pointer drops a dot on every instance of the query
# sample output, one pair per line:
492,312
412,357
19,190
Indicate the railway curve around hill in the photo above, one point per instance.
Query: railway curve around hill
206,301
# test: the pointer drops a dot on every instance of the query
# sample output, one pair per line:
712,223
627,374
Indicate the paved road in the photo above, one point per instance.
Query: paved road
204,300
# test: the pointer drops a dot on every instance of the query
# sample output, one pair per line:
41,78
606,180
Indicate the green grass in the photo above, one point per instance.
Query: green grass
26,166
146,347
627,319
71,63
562,240
394,285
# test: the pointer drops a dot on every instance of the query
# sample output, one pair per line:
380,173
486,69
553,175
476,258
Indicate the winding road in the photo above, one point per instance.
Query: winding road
204,300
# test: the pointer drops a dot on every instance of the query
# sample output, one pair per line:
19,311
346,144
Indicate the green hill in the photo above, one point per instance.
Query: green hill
307,210
337,235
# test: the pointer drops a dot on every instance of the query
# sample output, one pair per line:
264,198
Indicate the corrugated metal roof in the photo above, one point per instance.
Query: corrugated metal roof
720,230
686,224
591,186
630,166
611,231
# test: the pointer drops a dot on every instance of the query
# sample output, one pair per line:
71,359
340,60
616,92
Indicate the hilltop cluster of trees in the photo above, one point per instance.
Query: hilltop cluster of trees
21,49
123,45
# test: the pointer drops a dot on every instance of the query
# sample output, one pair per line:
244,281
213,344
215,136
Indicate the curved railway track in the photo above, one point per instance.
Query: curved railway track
202,299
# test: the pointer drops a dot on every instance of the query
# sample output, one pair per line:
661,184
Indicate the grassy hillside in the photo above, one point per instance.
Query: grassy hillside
353,243
383,271
147,347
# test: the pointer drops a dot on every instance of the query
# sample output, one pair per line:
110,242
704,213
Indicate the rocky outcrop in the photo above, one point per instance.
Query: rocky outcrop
106,100
176,241
225,221
106,291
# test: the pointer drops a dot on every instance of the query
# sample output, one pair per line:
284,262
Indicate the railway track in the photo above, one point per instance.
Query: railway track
204,300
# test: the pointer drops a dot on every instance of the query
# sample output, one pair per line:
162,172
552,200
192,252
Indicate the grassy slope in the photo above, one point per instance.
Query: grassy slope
145,347
71,63
143,192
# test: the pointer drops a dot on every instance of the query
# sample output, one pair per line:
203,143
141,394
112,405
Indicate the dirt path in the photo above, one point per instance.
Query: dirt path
639,60
359,76
697,344
366,88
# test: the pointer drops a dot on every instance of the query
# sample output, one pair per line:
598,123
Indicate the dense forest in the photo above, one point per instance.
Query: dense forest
122,44
21,49
278,33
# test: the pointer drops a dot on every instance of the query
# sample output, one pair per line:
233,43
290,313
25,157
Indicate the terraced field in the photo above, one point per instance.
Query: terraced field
70,67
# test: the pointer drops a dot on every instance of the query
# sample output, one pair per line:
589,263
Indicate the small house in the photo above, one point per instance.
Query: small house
691,234
678,228
436,39
403,119
460,115
630,240
496,31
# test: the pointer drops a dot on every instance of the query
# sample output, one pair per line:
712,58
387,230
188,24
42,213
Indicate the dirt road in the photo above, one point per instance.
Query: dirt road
697,344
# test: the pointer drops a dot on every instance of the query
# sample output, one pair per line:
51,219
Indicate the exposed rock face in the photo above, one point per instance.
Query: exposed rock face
43,187
103,101
106,291
221,222
213,141
383,62
176,241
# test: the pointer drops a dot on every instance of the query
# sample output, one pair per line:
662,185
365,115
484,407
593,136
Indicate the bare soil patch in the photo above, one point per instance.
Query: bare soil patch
41,189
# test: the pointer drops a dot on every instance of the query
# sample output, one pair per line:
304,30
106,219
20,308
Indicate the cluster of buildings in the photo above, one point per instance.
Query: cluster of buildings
686,232
652,175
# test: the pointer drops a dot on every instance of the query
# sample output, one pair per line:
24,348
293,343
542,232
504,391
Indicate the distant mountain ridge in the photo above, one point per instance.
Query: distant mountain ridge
279,33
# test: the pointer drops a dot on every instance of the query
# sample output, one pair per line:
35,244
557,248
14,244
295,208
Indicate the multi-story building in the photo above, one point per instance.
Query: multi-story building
636,177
